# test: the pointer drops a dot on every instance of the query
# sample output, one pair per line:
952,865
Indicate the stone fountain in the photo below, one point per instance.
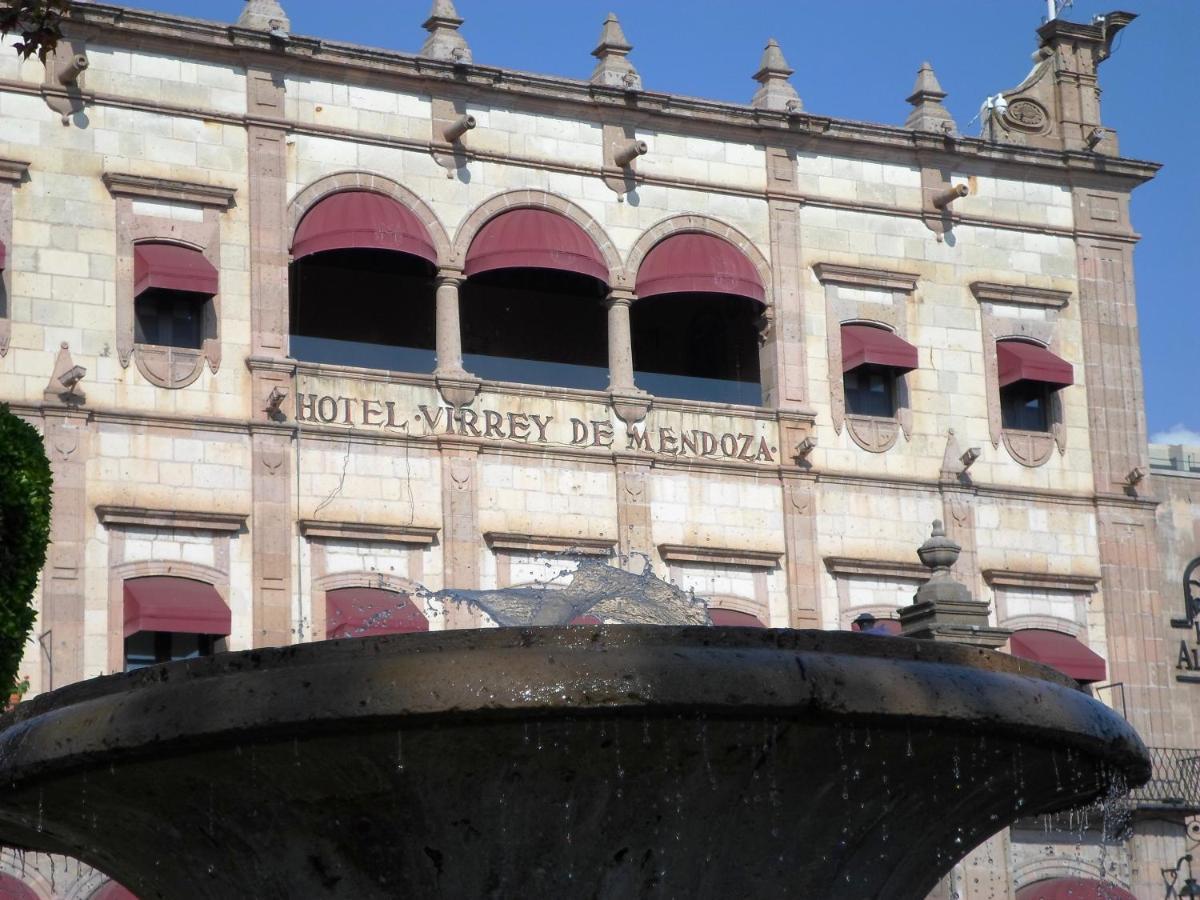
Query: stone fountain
608,761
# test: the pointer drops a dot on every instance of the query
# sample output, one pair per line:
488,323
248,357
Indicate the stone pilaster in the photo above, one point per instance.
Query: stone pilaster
620,342
635,533
270,236
958,510
272,533
802,559
61,623
462,541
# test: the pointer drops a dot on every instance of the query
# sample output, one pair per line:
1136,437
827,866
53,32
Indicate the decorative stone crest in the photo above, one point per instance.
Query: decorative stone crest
928,112
444,41
264,15
775,91
614,68
1027,115
943,609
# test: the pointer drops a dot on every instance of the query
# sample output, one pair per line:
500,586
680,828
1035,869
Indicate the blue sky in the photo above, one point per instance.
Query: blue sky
857,59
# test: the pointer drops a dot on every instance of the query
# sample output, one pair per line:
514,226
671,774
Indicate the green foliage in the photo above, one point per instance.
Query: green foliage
25,487
38,22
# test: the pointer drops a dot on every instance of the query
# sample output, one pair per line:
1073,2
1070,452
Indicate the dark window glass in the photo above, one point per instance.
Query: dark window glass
171,318
146,648
1024,405
870,391
536,326
697,347
360,307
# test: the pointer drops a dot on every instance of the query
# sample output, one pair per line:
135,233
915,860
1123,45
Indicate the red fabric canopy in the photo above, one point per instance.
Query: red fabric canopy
864,345
358,612
731,618
180,605
1073,889
1022,361
691,261
351,220
14,889
172,267
1059,651
530,238
111,890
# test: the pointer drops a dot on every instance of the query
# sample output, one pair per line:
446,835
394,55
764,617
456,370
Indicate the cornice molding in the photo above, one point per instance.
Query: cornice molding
876,568
121,184
13,171
863,277
720,556
229,42
1078,584
1019,295
365,532
528,543
136,517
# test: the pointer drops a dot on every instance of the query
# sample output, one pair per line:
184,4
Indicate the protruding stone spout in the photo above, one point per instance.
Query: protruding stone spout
948,196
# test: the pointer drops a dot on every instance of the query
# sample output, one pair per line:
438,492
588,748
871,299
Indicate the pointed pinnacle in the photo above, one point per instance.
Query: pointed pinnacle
444,41
443,13
926,85
613,68
775,91
264,15
772,62
612,38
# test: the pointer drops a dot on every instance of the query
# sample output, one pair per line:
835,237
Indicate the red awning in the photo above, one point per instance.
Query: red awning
172,267
12,888
694,262
1022,361
864,345
358,612
1073,889
351,220
180,605
529,238
1059,651
731,618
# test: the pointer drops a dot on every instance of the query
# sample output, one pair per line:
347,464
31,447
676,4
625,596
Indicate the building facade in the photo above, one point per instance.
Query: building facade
308,327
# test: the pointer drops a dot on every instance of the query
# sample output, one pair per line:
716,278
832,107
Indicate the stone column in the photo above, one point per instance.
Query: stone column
799,530
620,342
449,331
61,622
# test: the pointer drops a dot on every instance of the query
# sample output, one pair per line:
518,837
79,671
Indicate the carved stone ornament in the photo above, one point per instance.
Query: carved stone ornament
874,434
169,367
1029,448
461,471
1027,115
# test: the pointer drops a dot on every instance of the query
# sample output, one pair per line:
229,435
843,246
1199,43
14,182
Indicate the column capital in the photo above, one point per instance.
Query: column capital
621,296
449,275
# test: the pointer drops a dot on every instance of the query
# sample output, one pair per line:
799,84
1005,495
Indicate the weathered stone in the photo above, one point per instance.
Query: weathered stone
928,112
614,68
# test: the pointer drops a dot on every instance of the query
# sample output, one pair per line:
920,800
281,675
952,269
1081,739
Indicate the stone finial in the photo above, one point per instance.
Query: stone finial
444,41
943,608
928,112
614,68
775,91
264,15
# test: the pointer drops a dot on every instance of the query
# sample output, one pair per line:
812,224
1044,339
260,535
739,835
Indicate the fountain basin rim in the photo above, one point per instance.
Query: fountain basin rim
407,680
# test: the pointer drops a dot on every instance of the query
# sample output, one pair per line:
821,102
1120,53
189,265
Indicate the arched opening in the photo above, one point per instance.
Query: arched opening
1073,889
733,618
112,890
362,289
359,612
532,307
173,290
169,618
695,327
1029,376
873,360
14,889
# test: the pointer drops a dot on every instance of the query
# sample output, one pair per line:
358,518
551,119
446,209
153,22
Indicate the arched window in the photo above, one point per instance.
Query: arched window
695,326
532,307
1028,376
1073,889
732,618
873,359
173,289
362,287
359,612
1059,651
169,618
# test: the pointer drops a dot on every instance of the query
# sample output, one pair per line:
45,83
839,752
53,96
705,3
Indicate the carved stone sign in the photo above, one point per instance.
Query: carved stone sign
1187,662
494,417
